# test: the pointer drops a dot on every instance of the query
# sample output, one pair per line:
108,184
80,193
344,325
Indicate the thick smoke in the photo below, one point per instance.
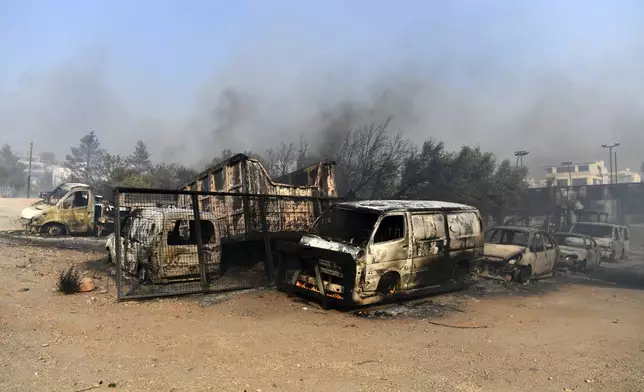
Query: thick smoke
264,98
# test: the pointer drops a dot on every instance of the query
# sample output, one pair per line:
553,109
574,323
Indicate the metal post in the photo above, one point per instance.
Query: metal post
615,153
267,242
610,159
200,254
117,242
31,150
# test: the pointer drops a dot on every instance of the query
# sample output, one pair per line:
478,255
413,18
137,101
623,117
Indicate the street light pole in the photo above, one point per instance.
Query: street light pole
610,158
520,154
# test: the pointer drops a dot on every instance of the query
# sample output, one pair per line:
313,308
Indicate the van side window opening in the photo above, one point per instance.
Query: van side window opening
391,228
549,243
538,243
464,223
184,232
427,227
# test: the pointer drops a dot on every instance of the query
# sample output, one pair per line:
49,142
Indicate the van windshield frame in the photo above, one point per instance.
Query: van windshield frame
347,225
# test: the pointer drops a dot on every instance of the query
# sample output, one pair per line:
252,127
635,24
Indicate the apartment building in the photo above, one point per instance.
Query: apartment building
576,174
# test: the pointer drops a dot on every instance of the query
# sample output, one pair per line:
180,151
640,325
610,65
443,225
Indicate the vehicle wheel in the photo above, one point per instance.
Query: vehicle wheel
524,275
583,265
623,257
54,229
461,274
108,258
144,274
612,258
387,284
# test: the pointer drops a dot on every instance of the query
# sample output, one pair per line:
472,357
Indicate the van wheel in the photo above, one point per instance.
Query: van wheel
144,274
388,284
54,229
461,274
624,257
524,275
612,258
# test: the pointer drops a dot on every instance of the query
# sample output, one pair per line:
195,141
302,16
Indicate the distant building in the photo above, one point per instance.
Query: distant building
38,169
576,174
628,176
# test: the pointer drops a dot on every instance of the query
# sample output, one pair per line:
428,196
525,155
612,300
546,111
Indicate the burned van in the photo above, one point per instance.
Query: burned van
359,253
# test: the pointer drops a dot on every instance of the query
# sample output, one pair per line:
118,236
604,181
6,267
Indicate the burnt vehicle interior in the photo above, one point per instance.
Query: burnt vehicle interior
507,237
345,225
597,231
184,233
574,240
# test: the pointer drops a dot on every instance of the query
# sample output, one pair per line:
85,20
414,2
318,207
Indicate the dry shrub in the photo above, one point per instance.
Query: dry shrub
69,281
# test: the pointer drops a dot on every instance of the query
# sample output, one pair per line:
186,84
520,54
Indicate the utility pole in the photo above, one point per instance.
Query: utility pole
31,151
610,158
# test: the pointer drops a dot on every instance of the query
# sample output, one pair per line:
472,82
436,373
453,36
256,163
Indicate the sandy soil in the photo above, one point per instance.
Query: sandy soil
574,333
10,209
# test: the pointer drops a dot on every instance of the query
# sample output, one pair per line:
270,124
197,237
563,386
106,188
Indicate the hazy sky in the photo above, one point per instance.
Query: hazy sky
190,78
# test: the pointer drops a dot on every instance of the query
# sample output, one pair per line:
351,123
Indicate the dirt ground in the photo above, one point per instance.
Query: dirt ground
571,333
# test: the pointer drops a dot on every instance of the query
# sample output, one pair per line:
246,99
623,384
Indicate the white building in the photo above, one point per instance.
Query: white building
628,176
575,174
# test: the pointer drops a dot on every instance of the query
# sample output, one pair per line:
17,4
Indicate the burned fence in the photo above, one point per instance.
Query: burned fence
171,242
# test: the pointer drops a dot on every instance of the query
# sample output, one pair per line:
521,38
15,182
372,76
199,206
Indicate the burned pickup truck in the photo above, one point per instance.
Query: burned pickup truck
71,208
363,252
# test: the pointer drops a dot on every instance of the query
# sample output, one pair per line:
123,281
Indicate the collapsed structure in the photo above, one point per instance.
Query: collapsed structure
239,216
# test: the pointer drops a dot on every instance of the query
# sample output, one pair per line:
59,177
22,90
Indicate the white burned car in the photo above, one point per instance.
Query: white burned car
577,251
613,240
159,245
518,254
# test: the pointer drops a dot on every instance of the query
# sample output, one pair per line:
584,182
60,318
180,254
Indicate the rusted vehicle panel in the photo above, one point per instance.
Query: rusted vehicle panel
517,253
360,253
158,245
239,218
579,252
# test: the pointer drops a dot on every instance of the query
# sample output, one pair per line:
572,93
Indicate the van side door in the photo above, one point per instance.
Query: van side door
626,237
539,249
552,252
429,247
388,250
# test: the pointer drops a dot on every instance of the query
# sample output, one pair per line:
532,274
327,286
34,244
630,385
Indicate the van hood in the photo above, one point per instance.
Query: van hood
503,252
315,241
34,211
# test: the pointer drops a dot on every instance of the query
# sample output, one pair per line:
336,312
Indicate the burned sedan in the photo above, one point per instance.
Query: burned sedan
579,252
518,254
359,253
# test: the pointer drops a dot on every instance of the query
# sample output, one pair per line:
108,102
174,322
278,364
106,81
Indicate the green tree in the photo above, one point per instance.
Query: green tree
85,160
12,173
140,158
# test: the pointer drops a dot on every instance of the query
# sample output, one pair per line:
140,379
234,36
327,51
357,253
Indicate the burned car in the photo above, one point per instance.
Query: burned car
608,236
359,253
577,251
518,254
159,245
